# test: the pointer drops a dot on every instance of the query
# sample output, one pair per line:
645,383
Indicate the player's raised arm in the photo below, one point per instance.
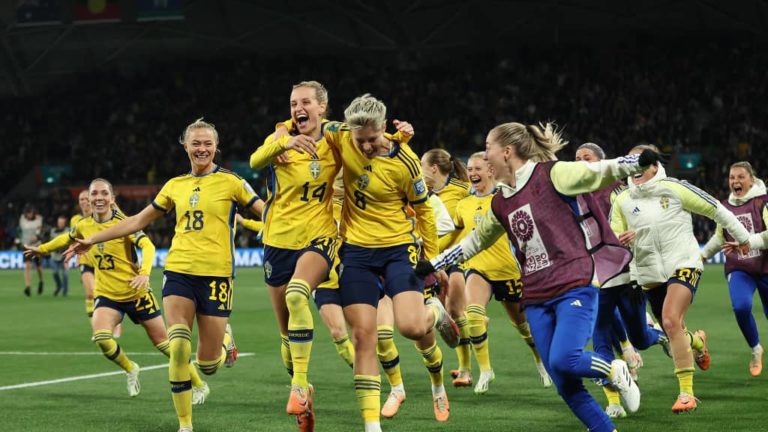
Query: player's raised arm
130,225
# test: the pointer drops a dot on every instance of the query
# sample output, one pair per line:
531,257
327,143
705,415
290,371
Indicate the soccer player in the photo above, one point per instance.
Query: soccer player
59,265
30,231
199,269
84,262
447,177
492,272
381,178
300,257
537,207
748,272
653,217
121,286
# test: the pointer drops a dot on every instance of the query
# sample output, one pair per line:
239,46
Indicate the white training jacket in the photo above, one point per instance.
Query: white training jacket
659,212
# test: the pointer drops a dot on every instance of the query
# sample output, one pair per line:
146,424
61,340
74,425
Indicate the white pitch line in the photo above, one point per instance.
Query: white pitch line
91,376
65,353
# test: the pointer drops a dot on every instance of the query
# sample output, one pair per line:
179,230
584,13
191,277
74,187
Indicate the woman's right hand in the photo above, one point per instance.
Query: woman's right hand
302,144
79,247
627,237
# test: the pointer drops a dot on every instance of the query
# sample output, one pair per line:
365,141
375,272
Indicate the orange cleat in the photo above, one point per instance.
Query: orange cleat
684,403
455,373
756,364
442,408
300,400
306,420
702,356
392,404
462,379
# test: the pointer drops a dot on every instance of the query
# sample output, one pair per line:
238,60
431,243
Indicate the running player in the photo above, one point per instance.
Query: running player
30,233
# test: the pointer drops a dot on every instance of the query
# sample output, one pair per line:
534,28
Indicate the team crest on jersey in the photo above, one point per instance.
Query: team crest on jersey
664,201
363,181
528,239
314,169
194,200
268,269
478,218
100,247
419,187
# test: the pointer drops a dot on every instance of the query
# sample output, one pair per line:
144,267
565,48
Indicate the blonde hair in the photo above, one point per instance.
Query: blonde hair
476,155
111,191
641,147
447,164
366,111
321,94
747,167
531,142
199,124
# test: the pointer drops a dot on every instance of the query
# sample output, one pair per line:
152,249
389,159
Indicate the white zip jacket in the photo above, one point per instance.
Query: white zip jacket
659,212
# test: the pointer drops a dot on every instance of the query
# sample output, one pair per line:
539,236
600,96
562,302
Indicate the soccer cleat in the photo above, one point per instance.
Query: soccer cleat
627,388
442,408
664,342
199,394
546,380
299,401
684,403
462,379
185,429
756,364
702,355
455,373
26,291
392,404
486,377
40,288
615,411
231,348
134,386
306,420
444,324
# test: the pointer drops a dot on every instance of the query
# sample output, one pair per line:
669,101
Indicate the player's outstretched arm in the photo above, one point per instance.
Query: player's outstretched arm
128,226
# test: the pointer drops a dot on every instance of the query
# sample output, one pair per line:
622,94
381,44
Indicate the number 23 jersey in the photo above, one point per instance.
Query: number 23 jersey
203,240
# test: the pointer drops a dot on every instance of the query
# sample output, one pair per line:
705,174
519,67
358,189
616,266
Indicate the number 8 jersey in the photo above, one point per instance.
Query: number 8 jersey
203,241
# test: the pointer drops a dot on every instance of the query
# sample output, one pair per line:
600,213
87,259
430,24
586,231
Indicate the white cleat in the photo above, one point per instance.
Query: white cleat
615,411
134,386
627,388
486,377
546,381
200,393
444,324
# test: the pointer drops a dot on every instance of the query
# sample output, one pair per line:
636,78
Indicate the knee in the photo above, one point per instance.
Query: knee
104,340
742,307
296,300
563,362
671,324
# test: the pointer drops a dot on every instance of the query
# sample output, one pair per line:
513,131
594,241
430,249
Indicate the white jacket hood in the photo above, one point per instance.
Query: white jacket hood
636,191
757,189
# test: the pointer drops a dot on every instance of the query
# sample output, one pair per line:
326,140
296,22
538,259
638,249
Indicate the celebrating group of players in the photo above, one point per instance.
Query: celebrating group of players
382,239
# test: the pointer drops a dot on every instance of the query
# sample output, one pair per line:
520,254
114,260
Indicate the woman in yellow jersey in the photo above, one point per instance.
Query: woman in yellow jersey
200,265
447,177
492,272
121,286
84,263
380,179
300,238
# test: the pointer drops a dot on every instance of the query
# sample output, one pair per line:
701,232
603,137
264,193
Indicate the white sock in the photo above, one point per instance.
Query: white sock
757,348
437,390
398,388
372,427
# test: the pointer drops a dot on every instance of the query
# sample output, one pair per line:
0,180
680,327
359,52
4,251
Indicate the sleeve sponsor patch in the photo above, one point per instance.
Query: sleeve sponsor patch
419,187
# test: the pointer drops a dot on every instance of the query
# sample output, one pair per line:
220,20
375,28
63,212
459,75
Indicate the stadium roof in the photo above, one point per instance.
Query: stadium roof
33,57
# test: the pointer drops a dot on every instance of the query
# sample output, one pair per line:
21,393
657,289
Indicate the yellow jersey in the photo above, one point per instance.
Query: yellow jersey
84,259
116,261
452,192
495,262
204,237
377,192
299,205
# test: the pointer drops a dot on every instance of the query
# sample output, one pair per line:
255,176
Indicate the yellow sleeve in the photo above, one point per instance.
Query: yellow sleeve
253,225
617,219
574,178
244,193
425,221
333,133
266,152
147,252
164,199
60,241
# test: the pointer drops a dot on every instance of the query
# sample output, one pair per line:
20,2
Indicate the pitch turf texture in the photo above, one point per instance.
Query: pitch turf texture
252,395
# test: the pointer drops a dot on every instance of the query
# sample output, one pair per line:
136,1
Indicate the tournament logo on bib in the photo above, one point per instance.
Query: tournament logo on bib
746,220
527,234
194,200
314,169
363,181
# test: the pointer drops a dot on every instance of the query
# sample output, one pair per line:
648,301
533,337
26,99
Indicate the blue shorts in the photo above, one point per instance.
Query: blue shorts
212,295
454,268
324,296
503,290
141,309
689,277
362,268
85,268
280,264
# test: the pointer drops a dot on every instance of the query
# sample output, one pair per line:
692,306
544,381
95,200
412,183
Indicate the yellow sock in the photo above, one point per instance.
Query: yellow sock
525,332
111,350
345,349
388,355
463,351
625,344
433,360
164,347
89,307
613,396
685,378
285,354
368,391
300,329
180,347
695,341
478,333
